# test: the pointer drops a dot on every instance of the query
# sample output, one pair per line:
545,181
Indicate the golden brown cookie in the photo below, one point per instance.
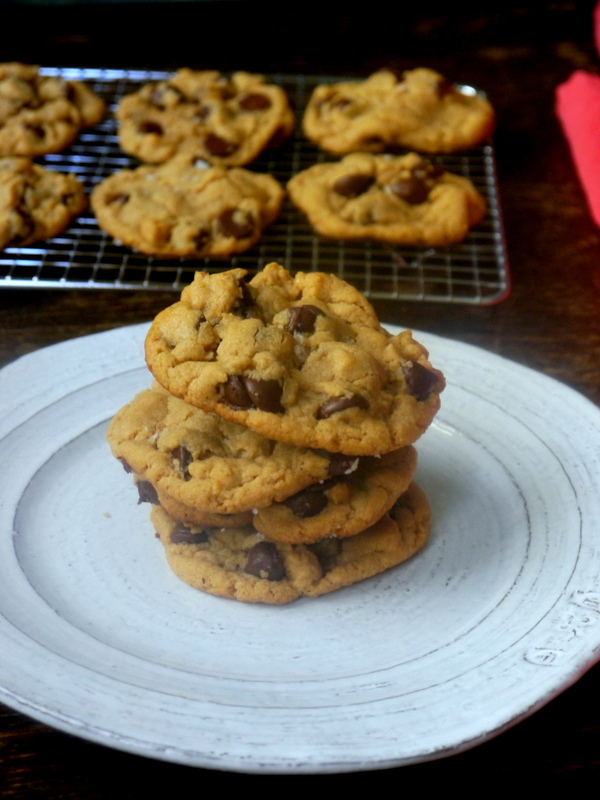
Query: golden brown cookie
35,203
184,208
419,110
224,120
341,506
198,462
396,199
42,114
301,360
242,565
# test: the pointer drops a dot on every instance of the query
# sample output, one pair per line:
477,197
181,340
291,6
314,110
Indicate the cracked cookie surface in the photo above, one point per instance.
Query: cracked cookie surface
341,506
224,120
35,203
242,565
198,462
396,199
42,114
299,359
420,110
184,208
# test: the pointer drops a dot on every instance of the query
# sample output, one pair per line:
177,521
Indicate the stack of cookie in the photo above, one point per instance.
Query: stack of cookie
277,444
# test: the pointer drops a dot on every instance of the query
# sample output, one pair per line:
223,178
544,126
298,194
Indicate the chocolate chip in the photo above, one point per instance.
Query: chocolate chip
339,464
235,394
181,534
184,458
147,493
201,239
150,127
202,113
353,185
302,319
125,465
410,189
420,380
219,147
255,102
265,562
335,404
327,552
265,394
443,87
236,222
245,393
307,503
37,131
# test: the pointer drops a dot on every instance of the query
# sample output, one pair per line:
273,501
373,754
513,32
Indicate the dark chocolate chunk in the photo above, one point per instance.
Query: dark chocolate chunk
309,502
201,239
255,101
265,395
302,319
420,380
411,190
265,562
237,223
335,404
235,394
147,493
184,458
150,127
181,534
353,185
339,464
217,146
125,465
327,552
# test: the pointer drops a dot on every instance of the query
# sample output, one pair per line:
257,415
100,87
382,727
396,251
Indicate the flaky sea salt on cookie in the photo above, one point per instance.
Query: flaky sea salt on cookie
301,360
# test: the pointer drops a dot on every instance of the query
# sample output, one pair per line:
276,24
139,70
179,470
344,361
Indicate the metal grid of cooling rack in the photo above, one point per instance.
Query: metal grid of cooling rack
474,271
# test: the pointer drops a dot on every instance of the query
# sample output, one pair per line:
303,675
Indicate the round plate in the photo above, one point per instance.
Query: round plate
498,614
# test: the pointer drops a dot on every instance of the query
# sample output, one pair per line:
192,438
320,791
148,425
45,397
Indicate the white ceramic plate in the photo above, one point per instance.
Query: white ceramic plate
498,614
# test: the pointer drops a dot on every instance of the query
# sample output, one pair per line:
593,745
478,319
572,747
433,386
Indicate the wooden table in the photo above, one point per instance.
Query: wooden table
549,322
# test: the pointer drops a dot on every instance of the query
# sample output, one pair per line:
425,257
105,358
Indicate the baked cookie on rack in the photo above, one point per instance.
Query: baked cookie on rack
419,110
302,360
224,120
186,209
243,565
404,200
42,114
35,203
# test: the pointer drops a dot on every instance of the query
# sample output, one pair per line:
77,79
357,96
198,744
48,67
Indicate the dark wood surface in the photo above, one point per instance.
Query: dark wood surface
550,322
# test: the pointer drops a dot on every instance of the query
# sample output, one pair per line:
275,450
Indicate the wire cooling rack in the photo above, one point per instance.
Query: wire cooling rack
474,271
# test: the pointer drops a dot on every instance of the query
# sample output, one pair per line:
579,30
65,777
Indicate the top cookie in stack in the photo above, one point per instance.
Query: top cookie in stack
302,360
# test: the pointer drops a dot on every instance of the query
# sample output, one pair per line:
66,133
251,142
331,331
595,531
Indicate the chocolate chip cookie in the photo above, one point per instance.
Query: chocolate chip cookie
404,200
224,120
42,114
186,209
198,462
419,110
341,506
243,565
301,360
35,203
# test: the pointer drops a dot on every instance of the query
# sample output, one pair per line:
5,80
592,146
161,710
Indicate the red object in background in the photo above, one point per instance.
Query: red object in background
578,109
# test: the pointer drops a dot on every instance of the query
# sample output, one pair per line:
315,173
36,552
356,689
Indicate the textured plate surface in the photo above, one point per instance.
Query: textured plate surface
499,613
